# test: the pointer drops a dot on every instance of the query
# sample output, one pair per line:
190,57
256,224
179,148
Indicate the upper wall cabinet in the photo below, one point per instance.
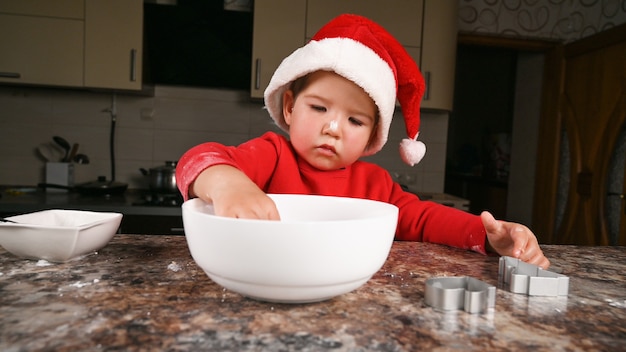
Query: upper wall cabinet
426,28
72,43
278,29
438,60
402,18
42,43
114,44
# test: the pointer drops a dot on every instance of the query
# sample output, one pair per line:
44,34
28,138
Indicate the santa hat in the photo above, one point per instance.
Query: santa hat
366,54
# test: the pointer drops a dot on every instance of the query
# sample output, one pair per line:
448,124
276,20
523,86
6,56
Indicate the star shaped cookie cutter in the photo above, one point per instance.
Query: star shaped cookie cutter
530,279
459,292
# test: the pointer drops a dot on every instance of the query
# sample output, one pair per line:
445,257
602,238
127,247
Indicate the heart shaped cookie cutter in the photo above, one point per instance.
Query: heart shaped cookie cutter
459,292
530,279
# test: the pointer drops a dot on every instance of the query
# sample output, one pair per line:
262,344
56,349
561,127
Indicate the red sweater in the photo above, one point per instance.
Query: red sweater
271,162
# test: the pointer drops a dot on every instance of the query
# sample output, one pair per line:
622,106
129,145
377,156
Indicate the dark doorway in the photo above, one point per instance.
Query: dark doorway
480,127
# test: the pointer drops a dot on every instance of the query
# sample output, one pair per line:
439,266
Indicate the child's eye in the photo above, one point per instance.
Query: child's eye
318,108
355,121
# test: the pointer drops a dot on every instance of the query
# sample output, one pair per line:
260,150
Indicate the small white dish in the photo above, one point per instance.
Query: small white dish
322,247
58,235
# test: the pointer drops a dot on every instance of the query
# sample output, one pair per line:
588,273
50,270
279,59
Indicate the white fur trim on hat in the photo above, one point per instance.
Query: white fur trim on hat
348,58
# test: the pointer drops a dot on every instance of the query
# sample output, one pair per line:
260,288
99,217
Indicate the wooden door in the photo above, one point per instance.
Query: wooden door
584,113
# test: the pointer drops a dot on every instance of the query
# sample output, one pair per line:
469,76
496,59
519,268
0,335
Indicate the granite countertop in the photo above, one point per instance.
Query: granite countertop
146,293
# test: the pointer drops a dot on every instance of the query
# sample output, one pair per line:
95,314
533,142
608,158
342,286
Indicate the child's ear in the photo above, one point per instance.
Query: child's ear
288,101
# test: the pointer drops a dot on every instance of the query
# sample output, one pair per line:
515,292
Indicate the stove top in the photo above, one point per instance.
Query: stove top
160,200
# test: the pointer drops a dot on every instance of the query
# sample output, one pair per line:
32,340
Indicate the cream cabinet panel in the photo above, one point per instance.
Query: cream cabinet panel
41,50
47,8
278,30
402,18
427,29
438,60
113,44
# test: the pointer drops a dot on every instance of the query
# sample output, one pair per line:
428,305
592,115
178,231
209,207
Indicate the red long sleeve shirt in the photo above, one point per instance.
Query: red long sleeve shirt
271,162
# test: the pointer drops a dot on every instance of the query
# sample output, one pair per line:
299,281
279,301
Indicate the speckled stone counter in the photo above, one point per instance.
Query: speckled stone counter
146,293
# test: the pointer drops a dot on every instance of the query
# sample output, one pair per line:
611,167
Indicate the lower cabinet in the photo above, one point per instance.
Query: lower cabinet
152,225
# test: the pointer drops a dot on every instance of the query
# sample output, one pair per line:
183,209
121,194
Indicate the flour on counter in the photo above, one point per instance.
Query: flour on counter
173,266
80,284
616,304
43,262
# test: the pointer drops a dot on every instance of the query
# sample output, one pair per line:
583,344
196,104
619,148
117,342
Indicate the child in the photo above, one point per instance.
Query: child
335,97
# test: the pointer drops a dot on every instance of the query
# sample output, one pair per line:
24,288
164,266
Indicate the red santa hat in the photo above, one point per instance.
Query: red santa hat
365,53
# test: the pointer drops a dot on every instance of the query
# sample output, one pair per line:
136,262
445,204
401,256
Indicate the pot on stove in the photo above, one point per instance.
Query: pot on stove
162,179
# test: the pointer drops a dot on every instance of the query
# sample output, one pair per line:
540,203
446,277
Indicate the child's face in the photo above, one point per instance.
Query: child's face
330,121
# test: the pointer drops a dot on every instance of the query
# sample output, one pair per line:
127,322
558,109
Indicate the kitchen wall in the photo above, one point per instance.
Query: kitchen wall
565,21
151,130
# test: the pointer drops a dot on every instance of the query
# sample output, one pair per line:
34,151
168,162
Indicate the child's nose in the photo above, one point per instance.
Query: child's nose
331,127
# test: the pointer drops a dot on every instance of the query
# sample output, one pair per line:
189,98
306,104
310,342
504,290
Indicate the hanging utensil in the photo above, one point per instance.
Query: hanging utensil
45,152
81,159
49,152
72,153
63,143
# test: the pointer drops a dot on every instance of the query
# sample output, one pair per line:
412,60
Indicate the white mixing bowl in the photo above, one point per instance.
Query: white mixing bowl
322,247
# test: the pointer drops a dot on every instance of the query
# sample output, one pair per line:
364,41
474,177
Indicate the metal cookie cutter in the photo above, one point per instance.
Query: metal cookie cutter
460,292
531,279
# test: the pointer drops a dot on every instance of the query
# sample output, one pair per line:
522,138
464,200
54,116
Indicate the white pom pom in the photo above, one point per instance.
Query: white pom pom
412,151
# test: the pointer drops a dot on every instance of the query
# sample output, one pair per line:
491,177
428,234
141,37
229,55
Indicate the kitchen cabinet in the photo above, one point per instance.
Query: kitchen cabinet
73,43
426,28
152,224
58,8
438,60
278,30
113,44
42,43
402,18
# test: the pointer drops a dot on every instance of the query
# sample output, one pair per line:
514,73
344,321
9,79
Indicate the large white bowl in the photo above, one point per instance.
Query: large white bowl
322,247
58,235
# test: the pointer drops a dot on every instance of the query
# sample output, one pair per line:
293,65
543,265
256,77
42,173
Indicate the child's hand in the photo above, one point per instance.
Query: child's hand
245,204
513,240
233,194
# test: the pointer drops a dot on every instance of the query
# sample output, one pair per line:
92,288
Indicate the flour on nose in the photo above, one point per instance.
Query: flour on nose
333,125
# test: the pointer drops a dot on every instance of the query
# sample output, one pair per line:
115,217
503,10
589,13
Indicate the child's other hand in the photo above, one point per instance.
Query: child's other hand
513,240
233,194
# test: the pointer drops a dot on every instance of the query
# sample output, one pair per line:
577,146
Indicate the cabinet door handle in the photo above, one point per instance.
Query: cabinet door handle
427,82
257,76
133,65
10,75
